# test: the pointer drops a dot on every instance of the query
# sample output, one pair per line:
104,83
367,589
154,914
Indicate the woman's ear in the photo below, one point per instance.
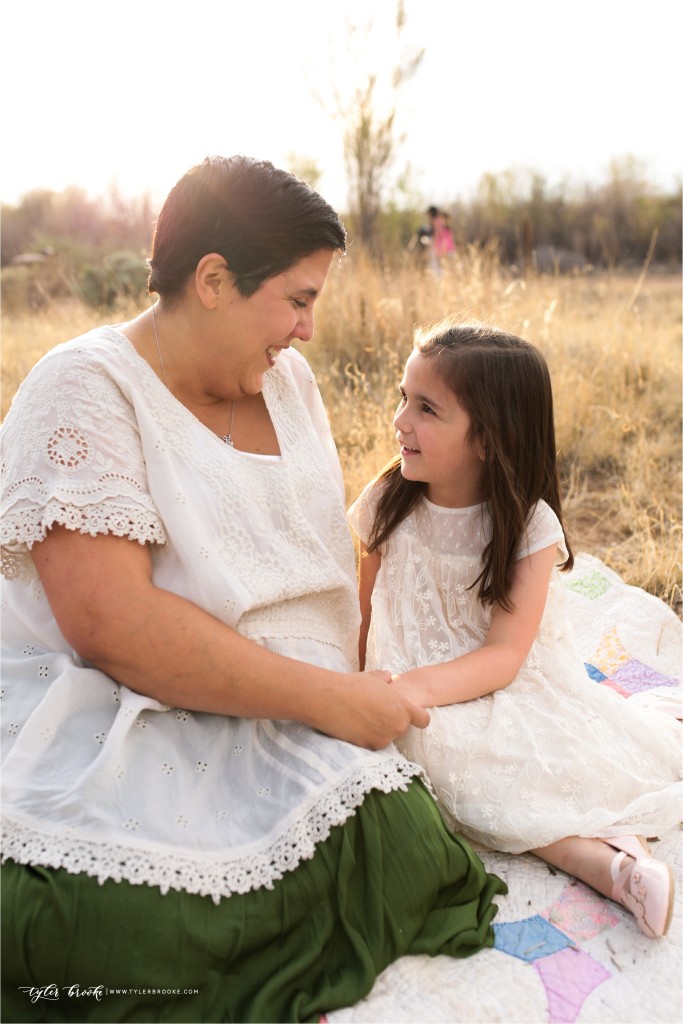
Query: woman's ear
210,277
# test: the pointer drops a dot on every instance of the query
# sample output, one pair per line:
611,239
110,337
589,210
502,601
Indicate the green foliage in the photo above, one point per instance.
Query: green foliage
65,244
121,275
72,271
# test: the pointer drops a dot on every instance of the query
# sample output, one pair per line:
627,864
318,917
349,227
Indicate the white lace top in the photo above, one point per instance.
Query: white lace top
98,778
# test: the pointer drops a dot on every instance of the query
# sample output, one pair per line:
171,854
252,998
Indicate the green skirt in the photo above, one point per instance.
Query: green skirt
392,880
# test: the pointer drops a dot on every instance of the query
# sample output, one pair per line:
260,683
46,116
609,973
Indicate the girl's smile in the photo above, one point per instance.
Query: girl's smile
273,352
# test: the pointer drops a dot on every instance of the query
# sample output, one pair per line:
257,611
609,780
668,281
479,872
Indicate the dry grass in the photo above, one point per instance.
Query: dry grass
613,344
614,352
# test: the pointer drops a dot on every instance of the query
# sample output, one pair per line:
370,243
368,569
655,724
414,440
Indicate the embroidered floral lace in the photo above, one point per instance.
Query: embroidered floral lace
551,755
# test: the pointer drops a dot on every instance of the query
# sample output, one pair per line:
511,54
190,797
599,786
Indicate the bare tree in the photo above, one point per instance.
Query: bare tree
371,137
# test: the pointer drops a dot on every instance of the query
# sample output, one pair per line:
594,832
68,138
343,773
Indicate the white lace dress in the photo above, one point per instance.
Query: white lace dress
100,779
553,754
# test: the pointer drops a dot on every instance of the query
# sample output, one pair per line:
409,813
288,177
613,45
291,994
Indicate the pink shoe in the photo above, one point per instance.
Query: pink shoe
635,846
644,886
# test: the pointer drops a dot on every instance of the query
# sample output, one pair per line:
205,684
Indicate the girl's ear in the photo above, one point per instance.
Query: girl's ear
479,447
210,277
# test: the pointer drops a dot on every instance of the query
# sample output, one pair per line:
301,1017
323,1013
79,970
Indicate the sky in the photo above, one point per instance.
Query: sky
133,93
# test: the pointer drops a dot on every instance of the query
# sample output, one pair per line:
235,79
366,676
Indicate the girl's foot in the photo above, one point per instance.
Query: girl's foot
633,877
643,885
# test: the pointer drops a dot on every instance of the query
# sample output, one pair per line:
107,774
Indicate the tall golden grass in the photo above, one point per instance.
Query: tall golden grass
613,343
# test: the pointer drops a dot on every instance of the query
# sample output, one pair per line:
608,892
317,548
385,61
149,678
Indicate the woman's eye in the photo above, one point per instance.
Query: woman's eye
299,304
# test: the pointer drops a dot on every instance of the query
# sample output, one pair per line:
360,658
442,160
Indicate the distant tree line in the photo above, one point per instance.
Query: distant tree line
96,247
73,221
606,225
532,225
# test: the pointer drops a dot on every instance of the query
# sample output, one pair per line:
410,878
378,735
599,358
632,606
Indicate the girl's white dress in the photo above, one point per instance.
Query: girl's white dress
553,754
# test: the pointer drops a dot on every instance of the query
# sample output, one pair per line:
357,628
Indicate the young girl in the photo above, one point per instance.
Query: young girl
462,539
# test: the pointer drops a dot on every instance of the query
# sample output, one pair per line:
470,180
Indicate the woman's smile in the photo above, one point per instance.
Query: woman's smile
273,351
255,329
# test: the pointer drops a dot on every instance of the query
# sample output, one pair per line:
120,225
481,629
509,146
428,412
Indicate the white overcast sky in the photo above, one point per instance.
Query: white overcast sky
133,93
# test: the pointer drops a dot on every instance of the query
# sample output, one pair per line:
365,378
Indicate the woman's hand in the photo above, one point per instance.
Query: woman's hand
368,712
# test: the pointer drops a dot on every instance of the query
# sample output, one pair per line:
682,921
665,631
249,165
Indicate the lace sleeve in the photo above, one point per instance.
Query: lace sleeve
71,455
543,530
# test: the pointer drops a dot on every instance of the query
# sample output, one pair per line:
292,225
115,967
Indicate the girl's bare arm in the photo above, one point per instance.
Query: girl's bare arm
370,562
494,665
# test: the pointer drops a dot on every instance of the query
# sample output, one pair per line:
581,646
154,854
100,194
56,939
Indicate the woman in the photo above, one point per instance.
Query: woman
202,804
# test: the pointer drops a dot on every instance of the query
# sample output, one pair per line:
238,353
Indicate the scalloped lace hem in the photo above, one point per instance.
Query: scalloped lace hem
23,529
221,877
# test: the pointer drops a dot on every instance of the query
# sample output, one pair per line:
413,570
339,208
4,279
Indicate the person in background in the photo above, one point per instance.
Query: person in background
442,245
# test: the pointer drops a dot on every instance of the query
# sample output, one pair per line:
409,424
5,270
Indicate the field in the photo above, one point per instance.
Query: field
613,343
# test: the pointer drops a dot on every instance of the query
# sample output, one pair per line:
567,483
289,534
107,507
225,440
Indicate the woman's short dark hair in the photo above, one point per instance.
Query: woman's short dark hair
260,219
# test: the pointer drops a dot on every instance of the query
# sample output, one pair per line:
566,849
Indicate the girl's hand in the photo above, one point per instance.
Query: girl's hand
495,664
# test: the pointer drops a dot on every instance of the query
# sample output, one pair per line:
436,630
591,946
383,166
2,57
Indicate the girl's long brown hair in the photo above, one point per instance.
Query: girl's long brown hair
504,385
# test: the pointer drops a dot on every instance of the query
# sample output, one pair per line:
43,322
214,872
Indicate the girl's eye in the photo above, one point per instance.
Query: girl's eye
427,408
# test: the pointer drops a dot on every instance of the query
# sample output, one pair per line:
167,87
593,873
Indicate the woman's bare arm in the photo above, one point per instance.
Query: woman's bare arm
110,611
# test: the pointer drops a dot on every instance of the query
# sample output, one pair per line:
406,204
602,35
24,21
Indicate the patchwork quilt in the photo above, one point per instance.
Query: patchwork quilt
563,953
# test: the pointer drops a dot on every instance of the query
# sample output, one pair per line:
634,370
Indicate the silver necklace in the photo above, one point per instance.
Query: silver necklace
226,438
